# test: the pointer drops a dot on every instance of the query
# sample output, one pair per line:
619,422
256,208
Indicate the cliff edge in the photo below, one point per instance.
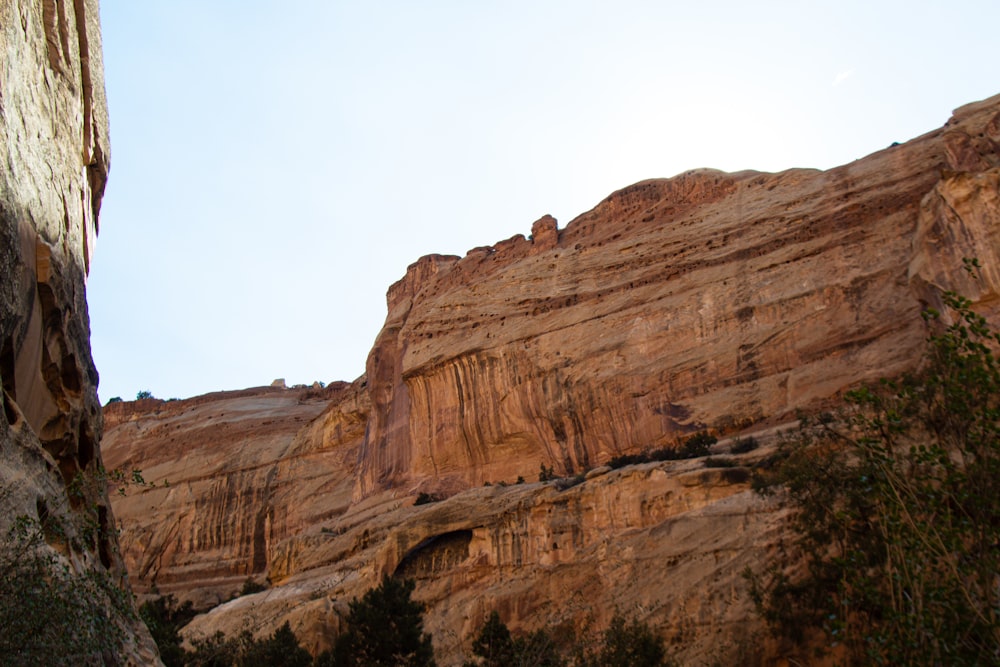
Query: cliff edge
54,135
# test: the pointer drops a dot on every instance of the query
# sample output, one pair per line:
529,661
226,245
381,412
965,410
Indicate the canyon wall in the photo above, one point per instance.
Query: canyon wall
54,136
709,300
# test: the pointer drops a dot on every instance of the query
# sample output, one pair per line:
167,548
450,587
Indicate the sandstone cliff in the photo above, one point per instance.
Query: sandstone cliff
706,301
54,137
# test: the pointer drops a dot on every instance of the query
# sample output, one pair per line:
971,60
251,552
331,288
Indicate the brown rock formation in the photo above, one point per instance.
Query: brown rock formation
709,300
54,134
703,301
243,471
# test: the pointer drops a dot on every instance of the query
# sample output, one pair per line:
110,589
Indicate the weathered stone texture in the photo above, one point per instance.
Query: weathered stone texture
706,301
53,168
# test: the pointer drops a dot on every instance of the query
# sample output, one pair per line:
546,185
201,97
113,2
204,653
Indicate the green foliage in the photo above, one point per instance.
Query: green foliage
626,643
694,447
51,614
281,649
564,483
720,462
697,445
744,445
114,399
546,474
165,618
385,627
426,498
250,587
497,648
631,644
494,643
898,516
143,393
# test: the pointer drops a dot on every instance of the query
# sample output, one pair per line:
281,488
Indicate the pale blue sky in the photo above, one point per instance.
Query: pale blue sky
277,165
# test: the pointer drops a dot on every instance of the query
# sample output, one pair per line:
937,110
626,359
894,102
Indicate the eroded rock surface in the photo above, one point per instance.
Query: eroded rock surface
54,138
709,300
706,301
237,473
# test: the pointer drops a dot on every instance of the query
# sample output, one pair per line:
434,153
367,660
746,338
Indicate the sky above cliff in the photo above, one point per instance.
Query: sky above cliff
277,165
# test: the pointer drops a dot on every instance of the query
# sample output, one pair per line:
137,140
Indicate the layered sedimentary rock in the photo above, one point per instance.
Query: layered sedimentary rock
706,301
54,139
236,473
664,542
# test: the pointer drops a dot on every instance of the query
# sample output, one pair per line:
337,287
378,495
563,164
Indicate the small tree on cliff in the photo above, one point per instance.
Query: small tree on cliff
385,628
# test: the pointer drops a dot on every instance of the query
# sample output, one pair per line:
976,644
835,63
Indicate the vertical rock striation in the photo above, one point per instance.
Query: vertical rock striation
54,139
705,301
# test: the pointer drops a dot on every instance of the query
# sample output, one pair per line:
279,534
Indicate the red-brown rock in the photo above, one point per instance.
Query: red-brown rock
706,301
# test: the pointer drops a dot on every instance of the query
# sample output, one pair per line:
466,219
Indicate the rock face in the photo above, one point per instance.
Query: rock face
245,471
706,301
54,135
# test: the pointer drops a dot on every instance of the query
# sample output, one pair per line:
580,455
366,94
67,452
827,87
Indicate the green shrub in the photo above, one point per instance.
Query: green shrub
898,515
250,587
720,462
426,498
143,393
51,614
744,445
628,460
697,445
564,483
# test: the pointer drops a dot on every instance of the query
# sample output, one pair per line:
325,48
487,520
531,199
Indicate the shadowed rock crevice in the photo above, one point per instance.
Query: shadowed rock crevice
435,555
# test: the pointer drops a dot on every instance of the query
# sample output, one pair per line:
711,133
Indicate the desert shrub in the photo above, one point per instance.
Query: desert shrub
628,460
57,610
51,614
165,618
545,474
520,480
897,516
697,445
250,587
719,462
744,445
143,393
114,399
384,627
564,483
426,498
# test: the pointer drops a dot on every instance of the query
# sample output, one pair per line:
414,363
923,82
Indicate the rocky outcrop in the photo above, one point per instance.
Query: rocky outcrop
707,301
236,473
666,542
54,135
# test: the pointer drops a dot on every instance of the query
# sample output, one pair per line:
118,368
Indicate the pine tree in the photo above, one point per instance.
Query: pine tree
385,628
